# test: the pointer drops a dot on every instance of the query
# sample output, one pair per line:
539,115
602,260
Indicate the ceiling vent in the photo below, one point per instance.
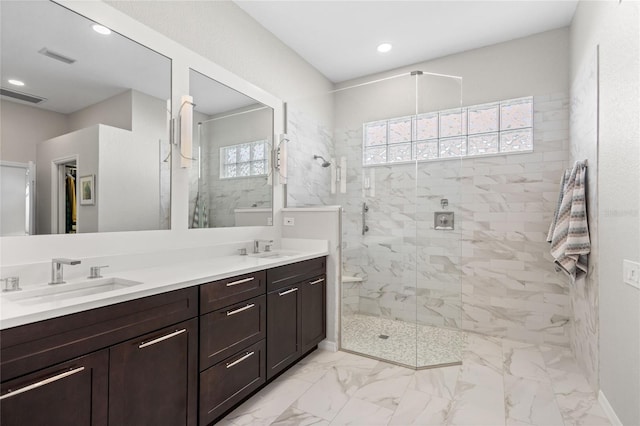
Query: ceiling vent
21,96
56,56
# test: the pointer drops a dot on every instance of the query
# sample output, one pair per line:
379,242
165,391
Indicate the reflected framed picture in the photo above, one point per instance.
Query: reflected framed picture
87,190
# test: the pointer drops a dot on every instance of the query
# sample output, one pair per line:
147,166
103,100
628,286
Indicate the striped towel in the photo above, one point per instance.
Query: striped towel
200,221
569,230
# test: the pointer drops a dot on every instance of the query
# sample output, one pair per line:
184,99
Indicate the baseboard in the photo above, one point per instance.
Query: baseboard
328,346
608,409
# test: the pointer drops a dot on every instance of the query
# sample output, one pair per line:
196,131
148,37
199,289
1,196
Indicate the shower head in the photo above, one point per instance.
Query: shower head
325,163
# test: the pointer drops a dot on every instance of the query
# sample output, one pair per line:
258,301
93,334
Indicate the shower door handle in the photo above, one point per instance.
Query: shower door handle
365,209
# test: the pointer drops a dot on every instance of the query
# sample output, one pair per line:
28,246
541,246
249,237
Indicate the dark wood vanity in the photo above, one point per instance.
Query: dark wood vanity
184,357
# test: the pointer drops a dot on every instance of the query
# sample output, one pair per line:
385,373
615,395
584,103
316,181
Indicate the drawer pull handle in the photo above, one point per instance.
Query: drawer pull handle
237,311
238,361
318,281
288,291
42,383
246,280
160,339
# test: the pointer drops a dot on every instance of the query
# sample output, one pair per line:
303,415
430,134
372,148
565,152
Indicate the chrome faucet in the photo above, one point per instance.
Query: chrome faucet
256,245
56,269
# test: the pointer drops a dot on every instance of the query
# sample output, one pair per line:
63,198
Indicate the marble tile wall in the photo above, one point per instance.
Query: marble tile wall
493,274
509,285
584,145
309,183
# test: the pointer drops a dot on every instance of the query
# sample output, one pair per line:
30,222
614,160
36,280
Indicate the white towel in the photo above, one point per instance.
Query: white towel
569,230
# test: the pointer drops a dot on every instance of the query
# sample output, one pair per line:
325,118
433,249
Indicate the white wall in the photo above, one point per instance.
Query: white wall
23,126
115,111
534,65
614,27
127,182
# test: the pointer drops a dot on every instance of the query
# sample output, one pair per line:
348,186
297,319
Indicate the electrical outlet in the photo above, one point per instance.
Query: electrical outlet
289,221
631,273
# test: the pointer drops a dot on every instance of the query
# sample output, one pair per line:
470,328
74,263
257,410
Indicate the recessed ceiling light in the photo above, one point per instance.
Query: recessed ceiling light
16,82
384,47
101,29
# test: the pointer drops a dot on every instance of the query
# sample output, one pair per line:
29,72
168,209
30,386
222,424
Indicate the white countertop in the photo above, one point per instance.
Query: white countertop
154,280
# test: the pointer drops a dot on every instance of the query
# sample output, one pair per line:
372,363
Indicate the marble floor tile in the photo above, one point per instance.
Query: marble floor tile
360,412
418,408
580,409
267,405
385,385
530,402
340,388
559,358
328,396
315,365
566,383
524,361
294,417
440,382
479,398
483,350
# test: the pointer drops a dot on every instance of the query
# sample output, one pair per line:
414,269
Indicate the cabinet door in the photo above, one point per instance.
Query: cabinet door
153,378
68,394
313,312
283,331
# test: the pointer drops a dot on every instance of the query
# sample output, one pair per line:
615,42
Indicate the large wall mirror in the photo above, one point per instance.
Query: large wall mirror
231,180
85,141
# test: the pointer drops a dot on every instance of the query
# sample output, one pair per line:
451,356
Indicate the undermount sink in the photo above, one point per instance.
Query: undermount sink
63,292
275,254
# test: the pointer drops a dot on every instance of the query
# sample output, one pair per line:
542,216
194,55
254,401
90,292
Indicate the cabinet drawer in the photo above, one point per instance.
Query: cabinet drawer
226,331
288,275
219,294
229,381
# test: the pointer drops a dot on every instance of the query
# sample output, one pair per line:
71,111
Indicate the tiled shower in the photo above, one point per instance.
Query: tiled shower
409,291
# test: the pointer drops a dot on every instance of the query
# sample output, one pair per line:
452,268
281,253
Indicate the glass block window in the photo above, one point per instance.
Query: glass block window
486,129
453,123
453,147
400,130
483,119
516,140
486,143
375,133
244,160
426,126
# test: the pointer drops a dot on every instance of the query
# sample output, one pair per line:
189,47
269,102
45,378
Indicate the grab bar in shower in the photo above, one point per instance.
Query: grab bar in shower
365,209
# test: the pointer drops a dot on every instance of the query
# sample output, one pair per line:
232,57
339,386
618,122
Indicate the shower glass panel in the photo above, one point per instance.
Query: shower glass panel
373,131
394,145
441,122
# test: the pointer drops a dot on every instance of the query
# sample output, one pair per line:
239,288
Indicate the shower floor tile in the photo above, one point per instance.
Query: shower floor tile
402,342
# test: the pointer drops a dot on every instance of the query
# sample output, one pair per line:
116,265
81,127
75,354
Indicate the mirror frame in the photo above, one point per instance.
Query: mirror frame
20,249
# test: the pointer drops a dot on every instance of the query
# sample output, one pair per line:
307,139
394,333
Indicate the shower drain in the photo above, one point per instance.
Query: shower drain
383,336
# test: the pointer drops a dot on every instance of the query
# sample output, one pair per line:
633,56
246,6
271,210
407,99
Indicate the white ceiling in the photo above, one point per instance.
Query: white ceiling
211,97
339,38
